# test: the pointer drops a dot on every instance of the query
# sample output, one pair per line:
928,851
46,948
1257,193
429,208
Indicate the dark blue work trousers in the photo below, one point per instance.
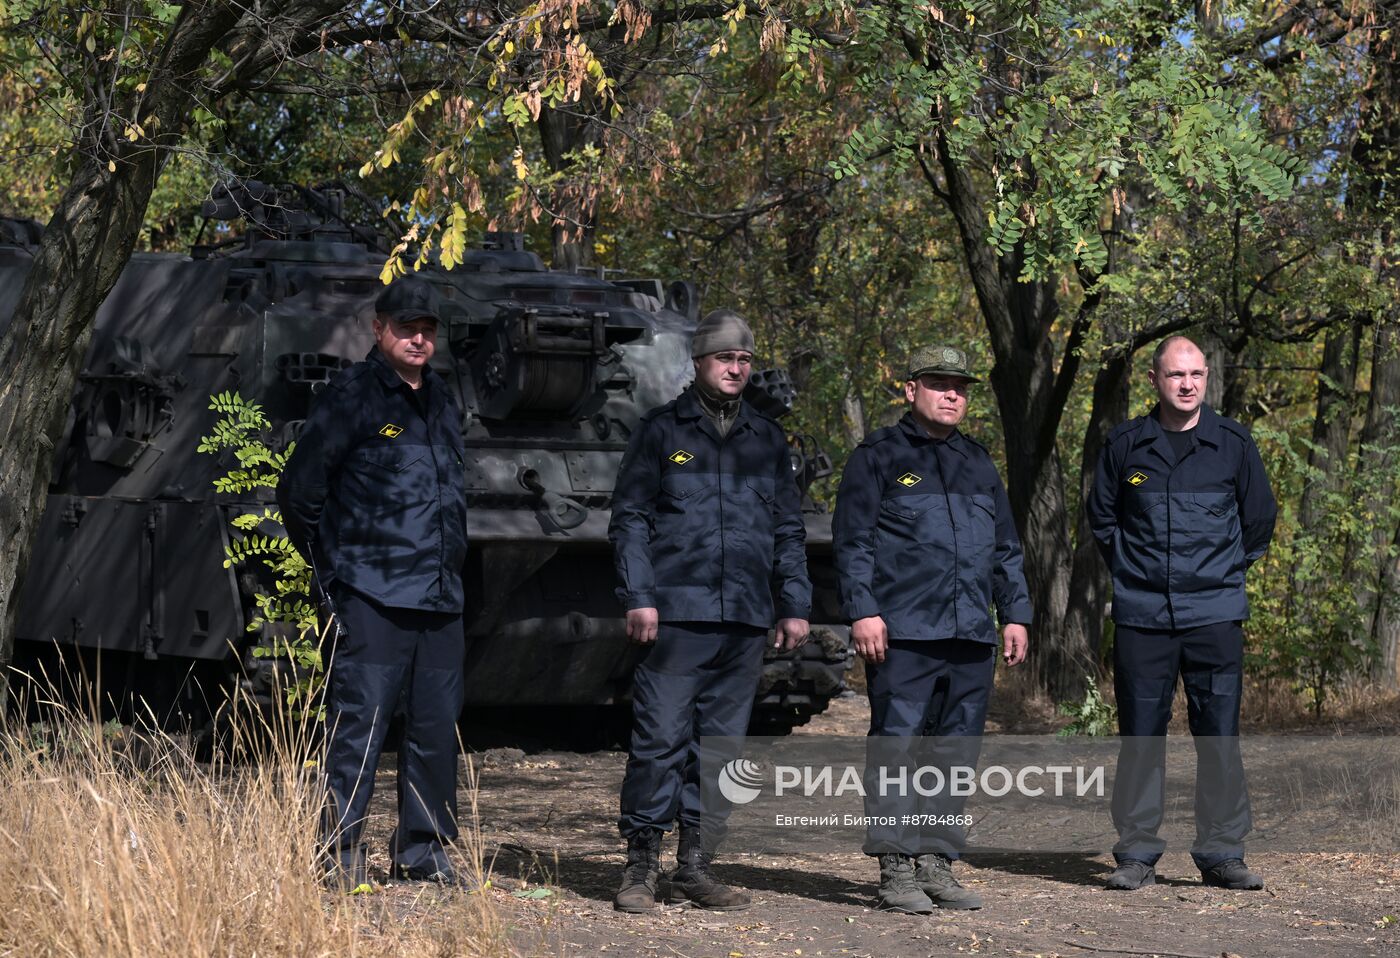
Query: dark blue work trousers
928,707
1146,663
389,662
697,682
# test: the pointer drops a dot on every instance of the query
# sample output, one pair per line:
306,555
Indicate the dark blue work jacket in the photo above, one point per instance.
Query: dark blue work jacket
374,490
1178,534
924,537
709,529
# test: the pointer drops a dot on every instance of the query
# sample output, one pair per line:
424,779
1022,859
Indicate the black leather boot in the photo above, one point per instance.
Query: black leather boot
693,882
642,874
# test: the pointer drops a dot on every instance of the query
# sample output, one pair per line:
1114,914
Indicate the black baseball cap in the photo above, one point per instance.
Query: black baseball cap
409,297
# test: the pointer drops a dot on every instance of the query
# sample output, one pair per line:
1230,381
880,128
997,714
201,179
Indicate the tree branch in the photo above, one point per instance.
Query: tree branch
1069,370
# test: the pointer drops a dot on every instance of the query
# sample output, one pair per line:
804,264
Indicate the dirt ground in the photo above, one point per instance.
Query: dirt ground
546,821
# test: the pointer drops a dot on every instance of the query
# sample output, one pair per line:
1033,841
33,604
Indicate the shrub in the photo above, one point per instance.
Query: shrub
284,615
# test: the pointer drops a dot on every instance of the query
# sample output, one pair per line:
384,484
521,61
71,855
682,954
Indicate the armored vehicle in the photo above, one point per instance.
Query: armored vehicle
552,370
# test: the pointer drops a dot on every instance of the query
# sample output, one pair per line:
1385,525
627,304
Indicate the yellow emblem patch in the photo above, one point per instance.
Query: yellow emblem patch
1136,479
391,430
909,479
680,457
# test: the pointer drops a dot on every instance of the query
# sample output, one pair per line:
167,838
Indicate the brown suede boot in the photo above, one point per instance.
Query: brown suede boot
642,875
693,882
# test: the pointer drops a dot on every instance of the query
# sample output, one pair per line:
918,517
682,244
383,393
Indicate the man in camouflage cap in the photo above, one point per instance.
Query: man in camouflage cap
947,361
924,546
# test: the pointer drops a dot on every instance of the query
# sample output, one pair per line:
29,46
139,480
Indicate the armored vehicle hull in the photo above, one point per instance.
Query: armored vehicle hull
551,369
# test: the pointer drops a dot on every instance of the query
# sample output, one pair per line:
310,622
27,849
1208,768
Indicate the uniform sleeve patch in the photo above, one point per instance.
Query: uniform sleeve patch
909,479
680,457
391,430
1136,479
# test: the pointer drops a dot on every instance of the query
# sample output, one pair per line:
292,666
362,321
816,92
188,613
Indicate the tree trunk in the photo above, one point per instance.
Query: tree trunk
802,299
1090,583
83,251
84,248
1375,155
1216,358
853,417
575,213
1019,317
1036,487
1331,435
1380,459
1385,628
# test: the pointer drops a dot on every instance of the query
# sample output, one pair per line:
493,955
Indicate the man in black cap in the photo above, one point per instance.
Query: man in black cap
373,496
925,547
710,549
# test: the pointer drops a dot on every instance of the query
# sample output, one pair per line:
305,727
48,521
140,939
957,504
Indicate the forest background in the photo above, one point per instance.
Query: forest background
1053,185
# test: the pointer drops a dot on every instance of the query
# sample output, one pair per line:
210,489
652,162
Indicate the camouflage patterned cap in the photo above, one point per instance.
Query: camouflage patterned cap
940,361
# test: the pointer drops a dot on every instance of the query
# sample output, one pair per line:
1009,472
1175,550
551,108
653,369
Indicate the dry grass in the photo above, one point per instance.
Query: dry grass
1356,705
117,845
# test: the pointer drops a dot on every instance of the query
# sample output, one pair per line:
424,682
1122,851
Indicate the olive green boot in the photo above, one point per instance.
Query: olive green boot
898,889
642,875
693,882
935,877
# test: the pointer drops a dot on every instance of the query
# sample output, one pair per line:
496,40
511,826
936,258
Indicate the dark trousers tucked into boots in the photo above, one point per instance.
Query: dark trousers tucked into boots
1146,664
691,699
388,661
697,681
692,880
642,874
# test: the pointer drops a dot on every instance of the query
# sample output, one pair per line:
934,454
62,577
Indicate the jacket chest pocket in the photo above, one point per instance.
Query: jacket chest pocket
1206,515
982,526
760,489
1145,517
389,458
755,515
919,519
681,494
385,477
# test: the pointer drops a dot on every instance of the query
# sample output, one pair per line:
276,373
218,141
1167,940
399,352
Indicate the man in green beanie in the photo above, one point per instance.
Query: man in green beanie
709,543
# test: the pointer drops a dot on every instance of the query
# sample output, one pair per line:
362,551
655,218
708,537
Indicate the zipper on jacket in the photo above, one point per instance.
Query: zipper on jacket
953,525
719,481
425,409
1171,606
